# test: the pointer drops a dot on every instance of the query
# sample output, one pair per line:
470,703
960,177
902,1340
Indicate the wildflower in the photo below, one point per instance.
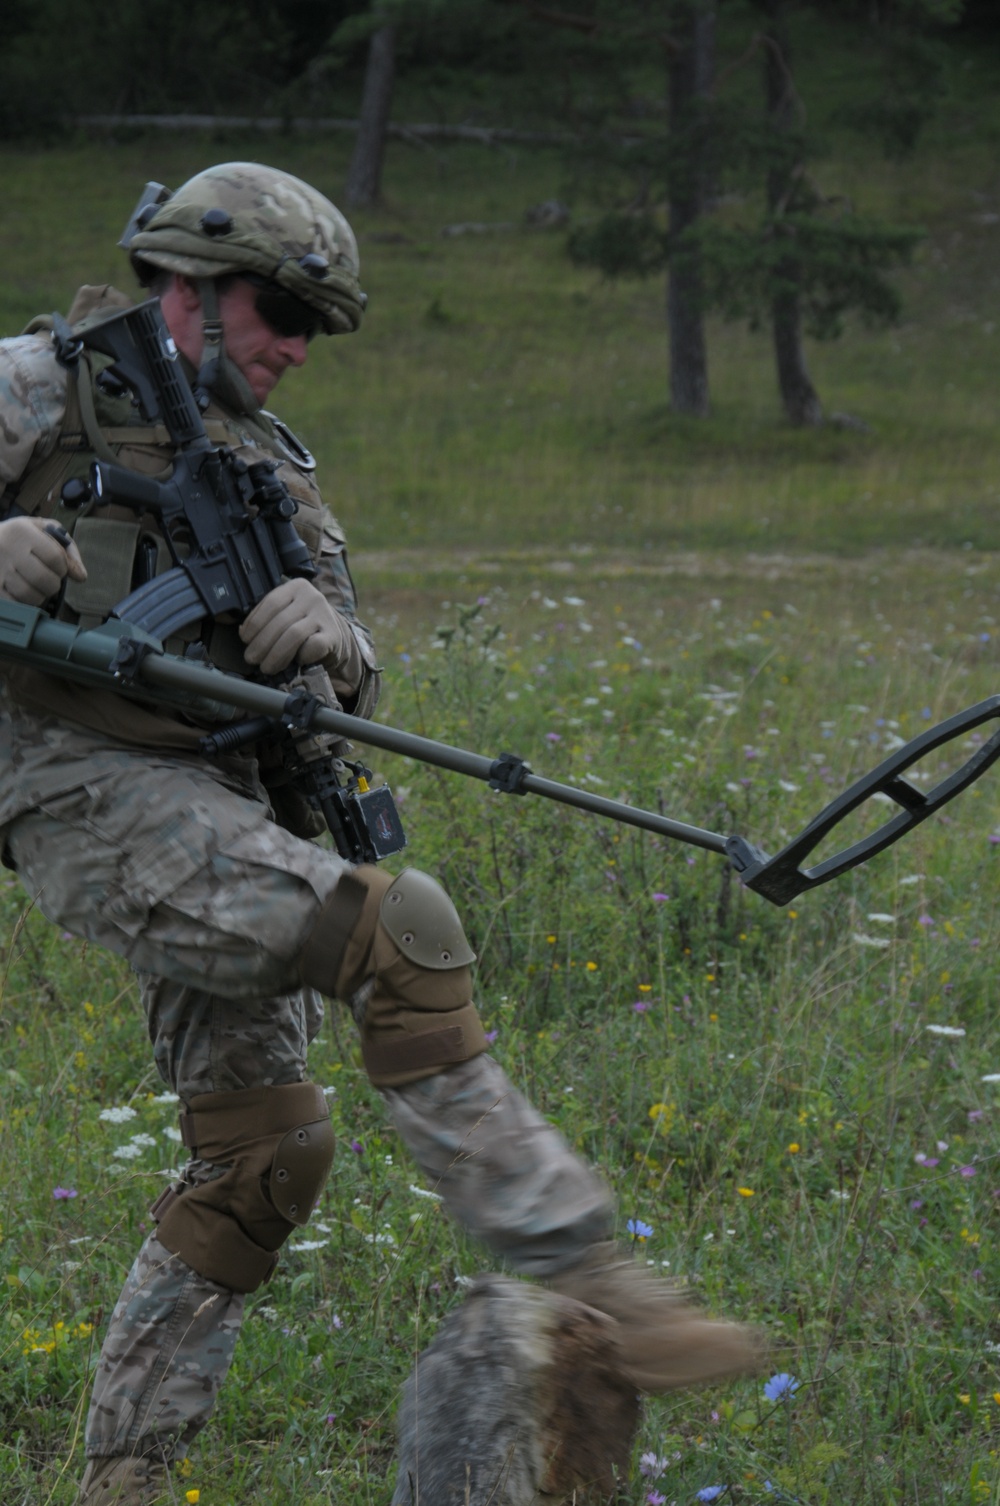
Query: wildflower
925,920
990,1077
746,1192
656,1499
927,1162
916,1203
780,1386
309,1244
117,1116
967,1171
950,1030
659,897
62,1193
491,1036
591,967
127,1152
638,1229
551,940
357,1147
794,1148
331,1417
860,939
652,1466
839,1195
425,1192
553,737
640,1006
710,1492
192,1497
965,1397
974,1114
882,919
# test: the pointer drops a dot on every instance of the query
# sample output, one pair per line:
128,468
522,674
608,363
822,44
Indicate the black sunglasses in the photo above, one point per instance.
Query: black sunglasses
287,315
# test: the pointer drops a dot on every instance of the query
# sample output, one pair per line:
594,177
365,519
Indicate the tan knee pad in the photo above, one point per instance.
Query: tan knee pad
402,938
276,1145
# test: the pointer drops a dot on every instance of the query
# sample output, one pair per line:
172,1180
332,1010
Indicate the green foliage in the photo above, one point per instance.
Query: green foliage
835,266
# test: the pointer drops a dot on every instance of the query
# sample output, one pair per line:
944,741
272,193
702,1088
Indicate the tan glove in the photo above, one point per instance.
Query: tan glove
296,623
35,557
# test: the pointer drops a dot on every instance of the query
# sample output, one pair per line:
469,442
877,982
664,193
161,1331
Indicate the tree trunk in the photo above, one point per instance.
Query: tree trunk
364,177
690,71
798,395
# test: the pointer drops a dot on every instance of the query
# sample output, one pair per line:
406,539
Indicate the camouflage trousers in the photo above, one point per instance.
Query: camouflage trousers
178,867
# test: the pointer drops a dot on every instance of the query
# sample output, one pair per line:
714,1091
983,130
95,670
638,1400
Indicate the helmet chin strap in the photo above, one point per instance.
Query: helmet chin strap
218,375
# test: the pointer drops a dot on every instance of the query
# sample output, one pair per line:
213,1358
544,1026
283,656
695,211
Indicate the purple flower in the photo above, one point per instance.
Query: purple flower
656,1499
61,1194
974,1114
491,1035
967,1171
652,1466
357,1147
553,737
994,839
660,898
925,920
641,1005
916,1203
780,1386
710,1492
331,1417
928,1162
638,1229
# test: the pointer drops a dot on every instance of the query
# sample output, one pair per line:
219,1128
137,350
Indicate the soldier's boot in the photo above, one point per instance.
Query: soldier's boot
123,1481
665,1341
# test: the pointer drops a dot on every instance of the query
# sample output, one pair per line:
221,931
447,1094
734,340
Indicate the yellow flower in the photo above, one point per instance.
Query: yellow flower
745,1191
551,940
793,915
713,1018
591,967
645,988
192,1497
794,1148
88,1008
964,1397
710,977
996,1397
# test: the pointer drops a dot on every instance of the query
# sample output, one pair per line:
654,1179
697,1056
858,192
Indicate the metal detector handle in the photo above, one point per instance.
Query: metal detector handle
782,877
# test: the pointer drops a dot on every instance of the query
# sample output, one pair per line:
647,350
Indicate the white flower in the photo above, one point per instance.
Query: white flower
860,939
945,1029
991,1077
788,786
329,1092
839,1196
911,878
143,1140
882,919
574,601
548,602
425,1192
172,1134
127,1152
303,1245
117,1116
163,1098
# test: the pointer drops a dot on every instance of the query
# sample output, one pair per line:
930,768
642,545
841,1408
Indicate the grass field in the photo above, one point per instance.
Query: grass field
729,622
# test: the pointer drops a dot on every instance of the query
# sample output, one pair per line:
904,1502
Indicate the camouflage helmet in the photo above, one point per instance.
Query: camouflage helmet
242,217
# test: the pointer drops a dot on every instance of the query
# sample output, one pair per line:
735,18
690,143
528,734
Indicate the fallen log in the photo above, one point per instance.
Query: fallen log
518,1401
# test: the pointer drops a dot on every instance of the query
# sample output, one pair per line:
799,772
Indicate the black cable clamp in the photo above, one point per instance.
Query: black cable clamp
129,657
299,710
507,774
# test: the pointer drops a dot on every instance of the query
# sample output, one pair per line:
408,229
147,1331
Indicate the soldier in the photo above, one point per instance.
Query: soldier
205,880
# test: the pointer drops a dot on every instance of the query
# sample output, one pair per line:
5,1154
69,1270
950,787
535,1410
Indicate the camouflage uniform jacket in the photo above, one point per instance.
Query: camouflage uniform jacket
45,440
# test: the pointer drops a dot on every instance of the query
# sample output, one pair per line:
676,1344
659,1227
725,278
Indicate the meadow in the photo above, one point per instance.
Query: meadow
727,622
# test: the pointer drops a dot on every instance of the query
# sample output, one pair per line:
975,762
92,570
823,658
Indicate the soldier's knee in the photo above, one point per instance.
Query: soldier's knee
275,1148
398,944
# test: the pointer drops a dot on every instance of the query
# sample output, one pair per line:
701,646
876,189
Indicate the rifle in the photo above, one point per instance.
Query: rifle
229,530
120,657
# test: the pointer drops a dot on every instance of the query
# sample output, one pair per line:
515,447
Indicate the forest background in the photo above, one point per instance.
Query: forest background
724,608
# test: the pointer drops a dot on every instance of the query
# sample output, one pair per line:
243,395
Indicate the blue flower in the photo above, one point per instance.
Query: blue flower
711,1492
780,1386
638,1229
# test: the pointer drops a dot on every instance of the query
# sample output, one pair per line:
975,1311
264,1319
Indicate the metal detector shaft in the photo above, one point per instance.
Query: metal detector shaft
121,657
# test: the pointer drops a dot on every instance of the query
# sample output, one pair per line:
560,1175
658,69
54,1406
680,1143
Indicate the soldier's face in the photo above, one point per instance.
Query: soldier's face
262,354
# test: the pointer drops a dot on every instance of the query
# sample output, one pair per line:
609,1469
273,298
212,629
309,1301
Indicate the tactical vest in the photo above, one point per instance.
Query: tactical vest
116,544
